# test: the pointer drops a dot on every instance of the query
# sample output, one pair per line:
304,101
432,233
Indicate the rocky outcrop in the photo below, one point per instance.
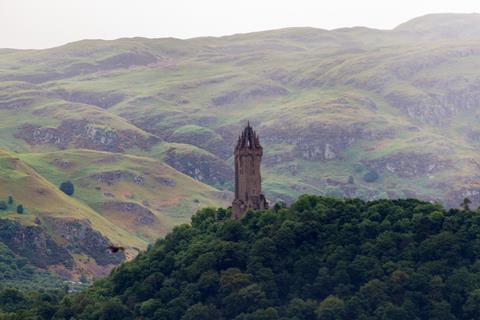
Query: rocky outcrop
34,244
409,164
134,211
64,164
436,109
278,157
164,181
82,134
109,177
422,108
201,166
201,137
320,141
80,237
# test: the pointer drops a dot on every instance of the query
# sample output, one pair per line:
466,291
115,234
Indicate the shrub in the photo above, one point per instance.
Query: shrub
67,188
3,205
10,200
371,176
20,209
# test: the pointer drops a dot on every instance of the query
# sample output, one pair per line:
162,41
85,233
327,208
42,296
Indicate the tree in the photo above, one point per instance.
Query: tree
20,209
113,309
201,312
3,205
472,306
331,308
351,180
371,176
279,205
10,200
67,188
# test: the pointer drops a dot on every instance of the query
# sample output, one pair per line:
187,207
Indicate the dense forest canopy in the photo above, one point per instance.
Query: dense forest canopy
321,258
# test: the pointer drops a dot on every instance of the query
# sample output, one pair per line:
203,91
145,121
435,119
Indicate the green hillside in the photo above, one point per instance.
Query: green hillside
145,128
143,195
122,200
333,108
322,258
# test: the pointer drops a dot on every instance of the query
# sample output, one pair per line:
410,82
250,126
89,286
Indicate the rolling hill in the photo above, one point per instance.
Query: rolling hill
123,200
353,112
331,106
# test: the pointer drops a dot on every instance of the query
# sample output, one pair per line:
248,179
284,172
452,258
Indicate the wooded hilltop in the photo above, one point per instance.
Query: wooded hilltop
320,258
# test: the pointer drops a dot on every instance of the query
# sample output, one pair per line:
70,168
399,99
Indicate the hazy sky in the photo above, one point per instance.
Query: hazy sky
48,23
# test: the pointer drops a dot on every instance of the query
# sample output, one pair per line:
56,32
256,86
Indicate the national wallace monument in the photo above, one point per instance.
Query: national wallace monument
248,181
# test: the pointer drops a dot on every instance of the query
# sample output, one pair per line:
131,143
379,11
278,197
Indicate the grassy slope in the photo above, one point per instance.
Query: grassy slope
297,79
42,198
172,202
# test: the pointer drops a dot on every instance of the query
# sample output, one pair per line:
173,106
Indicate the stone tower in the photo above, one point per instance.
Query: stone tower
248,181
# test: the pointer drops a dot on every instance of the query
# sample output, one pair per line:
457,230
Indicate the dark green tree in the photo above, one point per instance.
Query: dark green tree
113,309
20,209
67,188
332,308
371,176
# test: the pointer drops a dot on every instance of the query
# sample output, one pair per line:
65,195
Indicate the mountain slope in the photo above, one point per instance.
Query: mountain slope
55,231
150,195
70,235
352,112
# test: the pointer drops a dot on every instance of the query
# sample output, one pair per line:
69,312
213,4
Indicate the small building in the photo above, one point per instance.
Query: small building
248,180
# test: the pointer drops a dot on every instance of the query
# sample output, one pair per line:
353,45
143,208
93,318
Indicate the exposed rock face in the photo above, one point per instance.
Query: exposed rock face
280,157
203,138
84,135
140,214
423,108
33,243
409,164
110,177
164,181
81,238
320,141
201,166
62,163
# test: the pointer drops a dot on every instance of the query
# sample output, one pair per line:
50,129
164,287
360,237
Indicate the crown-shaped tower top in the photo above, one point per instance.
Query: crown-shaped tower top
248,139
